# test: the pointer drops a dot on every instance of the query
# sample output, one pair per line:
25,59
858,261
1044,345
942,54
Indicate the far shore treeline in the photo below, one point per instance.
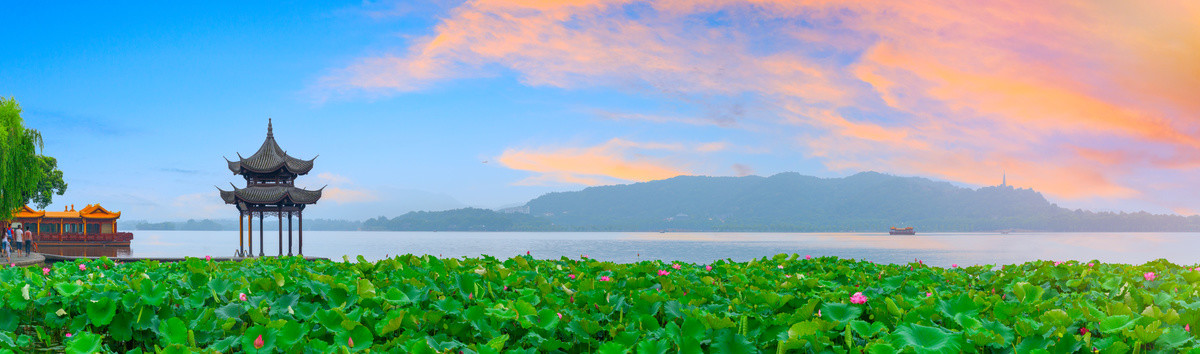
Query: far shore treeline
786,202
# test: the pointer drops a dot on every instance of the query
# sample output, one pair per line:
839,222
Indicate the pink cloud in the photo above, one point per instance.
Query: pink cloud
602,164
1079,99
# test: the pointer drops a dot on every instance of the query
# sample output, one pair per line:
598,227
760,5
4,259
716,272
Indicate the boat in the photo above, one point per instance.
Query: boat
904,231
90,226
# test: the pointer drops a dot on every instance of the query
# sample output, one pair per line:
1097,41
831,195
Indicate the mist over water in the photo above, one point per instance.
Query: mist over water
939,249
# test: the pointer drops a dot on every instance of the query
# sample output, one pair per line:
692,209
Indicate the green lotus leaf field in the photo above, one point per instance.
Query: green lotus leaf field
424,304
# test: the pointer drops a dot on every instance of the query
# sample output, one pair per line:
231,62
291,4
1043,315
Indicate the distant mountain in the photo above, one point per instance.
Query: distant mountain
466,219
866,202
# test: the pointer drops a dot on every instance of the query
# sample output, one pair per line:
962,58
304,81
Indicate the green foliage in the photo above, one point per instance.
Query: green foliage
20,166
50,184
425,304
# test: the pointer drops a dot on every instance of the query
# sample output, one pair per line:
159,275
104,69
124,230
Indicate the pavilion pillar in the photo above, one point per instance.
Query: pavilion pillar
289,234
300,215
241,234
250,228
280,215
261,245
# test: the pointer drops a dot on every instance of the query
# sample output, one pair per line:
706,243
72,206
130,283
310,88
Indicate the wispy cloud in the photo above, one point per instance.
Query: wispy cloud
343,196
200,206
615,160
331,178
1071,97
341,190
180,170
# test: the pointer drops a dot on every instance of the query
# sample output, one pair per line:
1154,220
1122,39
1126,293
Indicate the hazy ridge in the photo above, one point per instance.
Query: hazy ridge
864,202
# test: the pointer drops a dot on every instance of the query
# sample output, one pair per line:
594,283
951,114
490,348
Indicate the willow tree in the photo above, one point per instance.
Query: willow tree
24,174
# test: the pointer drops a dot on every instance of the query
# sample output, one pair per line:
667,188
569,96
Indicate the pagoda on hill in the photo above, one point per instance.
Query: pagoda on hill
270,189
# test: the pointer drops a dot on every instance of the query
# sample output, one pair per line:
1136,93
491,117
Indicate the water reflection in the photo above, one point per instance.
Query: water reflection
87,251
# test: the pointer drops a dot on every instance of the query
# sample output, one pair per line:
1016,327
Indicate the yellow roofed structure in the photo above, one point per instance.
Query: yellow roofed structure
91,219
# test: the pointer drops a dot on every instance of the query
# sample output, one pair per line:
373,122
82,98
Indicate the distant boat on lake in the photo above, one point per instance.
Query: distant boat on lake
905,231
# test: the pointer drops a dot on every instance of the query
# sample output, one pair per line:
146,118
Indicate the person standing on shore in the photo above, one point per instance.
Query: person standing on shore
19,237
28,242
7,251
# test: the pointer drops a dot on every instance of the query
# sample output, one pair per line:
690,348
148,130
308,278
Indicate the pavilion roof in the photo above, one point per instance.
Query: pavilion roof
271,195
270,158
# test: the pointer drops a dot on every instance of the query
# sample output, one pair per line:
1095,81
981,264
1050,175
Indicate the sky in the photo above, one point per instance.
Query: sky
490,103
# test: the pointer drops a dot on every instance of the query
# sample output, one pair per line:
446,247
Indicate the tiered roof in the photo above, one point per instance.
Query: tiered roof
270,158
271,195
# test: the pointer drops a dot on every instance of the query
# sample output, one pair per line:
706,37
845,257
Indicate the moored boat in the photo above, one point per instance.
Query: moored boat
904,231
91,226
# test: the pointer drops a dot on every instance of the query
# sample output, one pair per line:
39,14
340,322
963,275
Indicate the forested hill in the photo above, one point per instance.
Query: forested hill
865,202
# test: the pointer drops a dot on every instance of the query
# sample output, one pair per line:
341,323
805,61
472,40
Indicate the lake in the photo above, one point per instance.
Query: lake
940,249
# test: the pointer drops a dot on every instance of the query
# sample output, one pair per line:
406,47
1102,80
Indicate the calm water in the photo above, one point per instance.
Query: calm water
936,249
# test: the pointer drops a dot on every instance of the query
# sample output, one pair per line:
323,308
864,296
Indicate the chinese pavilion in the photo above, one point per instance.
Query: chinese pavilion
91,226
270,190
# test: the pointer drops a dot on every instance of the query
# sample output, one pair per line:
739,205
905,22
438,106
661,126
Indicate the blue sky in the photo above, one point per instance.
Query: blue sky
492,103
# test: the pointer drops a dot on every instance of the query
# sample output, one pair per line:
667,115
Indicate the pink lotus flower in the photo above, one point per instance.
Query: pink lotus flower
1187,328
242,296
807,257
954,265
526,253
1057,263
1149,276
676,266
572,276
572,299
471,296
350,341
928,294
506,288
1091,264
82,266
68,334
208,258
45,271
605,278
818,313
708,267
663,272
560,315
858,298
258,342
1083,330
585,256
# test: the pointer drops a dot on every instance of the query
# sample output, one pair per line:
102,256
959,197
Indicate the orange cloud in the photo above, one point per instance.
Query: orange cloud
615,159
1076,98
